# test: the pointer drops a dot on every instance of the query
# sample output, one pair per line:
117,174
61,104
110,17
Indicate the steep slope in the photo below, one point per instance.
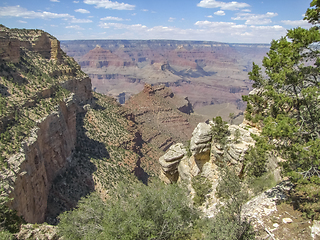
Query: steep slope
109,148
42,90
163,117
58,140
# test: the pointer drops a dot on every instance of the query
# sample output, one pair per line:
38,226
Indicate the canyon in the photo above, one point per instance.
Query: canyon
212,75
60,141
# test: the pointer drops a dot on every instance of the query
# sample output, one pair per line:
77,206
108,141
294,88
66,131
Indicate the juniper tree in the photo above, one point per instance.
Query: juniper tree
286,102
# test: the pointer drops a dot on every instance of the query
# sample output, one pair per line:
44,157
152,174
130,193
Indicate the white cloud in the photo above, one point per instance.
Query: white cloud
109,18
223,5
123,26
54,1
214,24
109,4
171,19
20,21
203,30
144,10
133,14
219,13
81,10
255,19
297,23
245,10
241,32
75,27
75,20
75,1
210,16
17,11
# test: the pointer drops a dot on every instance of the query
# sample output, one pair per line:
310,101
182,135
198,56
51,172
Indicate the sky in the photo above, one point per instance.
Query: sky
247,21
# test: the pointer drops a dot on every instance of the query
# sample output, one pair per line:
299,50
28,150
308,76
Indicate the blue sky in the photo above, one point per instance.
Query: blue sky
247,21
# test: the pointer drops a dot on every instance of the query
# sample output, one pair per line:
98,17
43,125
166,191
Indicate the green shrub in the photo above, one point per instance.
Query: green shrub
9,220
228,223
6,235
202,187
220,131
136,211
260,184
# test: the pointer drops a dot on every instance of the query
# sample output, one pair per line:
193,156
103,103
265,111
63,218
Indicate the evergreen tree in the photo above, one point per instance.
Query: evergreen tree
286,104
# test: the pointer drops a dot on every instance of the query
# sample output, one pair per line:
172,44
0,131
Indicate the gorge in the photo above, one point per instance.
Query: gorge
63,144
212,75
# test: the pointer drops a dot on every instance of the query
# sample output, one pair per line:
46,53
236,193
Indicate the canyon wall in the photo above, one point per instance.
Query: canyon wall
37,41
212,75
34,112
45,154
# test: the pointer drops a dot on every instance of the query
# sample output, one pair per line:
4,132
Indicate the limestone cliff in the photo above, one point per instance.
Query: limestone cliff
204,155
58,140
11,40
42,91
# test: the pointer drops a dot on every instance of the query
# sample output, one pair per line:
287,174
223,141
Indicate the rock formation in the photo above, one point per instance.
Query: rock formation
213,75
49,140
163,117
43,156
99,58
38,41
204,155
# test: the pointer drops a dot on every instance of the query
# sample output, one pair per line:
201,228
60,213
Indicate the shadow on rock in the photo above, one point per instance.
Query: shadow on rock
77,181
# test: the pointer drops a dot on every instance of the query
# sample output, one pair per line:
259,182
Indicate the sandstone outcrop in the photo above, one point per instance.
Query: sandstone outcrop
170,160
41,232
38,41
205,154
203,157
9,47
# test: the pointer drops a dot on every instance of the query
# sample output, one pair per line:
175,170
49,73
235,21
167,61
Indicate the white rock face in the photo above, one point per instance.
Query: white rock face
206,156
169,162
315,229
172,157
201,139
265,203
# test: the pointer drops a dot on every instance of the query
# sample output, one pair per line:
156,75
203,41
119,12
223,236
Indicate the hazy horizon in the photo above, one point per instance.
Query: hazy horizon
248,21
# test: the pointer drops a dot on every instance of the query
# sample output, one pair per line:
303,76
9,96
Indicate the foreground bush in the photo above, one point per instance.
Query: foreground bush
136,211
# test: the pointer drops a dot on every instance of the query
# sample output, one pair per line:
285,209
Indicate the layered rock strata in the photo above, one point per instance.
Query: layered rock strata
44,155
35,76
163,117
38,41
